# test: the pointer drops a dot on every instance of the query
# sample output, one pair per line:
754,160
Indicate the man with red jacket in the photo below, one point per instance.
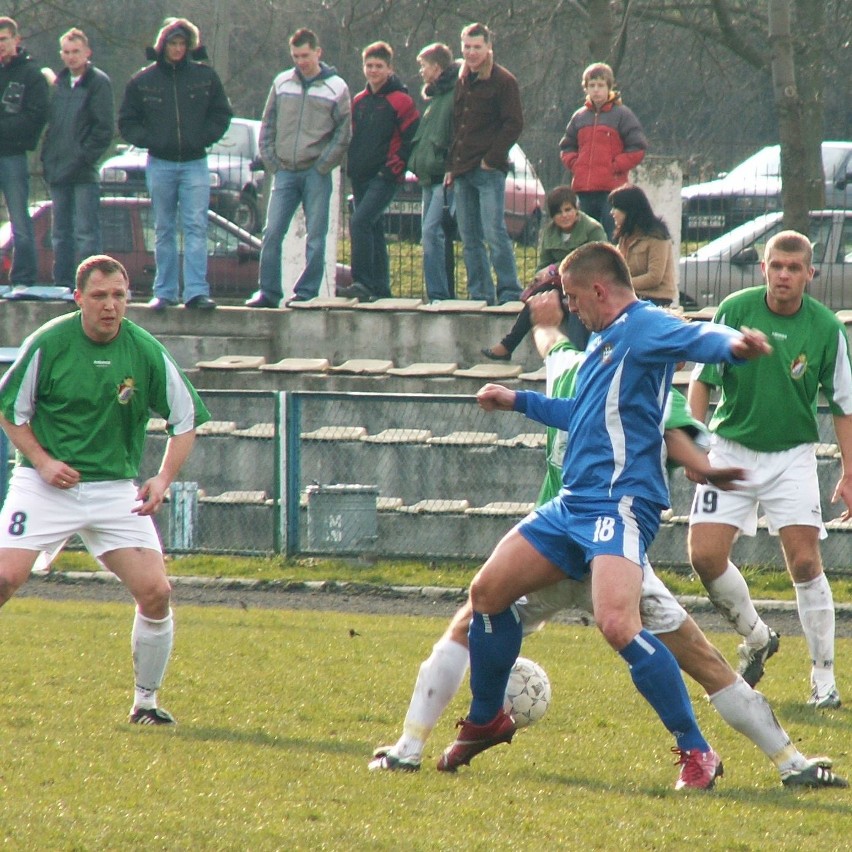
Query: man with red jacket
384,121
602,143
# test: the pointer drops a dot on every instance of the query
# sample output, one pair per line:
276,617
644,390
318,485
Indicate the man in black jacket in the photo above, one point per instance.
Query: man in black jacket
176,107
79,130
23,111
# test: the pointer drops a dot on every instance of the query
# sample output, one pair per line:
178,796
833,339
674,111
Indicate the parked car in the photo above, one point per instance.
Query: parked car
524,203
754,187
127,225
236,174
732,261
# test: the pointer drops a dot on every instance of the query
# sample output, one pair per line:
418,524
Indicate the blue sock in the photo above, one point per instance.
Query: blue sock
656,675
495,641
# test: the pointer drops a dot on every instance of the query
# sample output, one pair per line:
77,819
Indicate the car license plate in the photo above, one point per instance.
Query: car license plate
717,221
404,208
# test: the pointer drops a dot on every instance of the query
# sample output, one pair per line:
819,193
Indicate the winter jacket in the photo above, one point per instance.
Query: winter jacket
306,122
435,133
23,104
601,146
555,244
80,127
175,111
651,264
383,127
487,119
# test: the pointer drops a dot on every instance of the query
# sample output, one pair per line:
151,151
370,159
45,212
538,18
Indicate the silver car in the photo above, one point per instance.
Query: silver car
732,261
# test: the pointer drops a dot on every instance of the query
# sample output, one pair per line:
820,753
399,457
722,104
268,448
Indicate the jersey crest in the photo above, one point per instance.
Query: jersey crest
799,367
126,390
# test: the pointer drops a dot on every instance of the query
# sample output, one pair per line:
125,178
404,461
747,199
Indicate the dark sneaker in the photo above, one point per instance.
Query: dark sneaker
698,769
816,774
200,303
753,660
825,701
472,739
384,760
151,716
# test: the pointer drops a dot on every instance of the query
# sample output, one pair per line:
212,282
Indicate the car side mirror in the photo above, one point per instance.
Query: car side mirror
843,182
746,257
257,165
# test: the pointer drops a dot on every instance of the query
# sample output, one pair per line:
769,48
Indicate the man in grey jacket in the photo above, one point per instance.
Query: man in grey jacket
79,131
305,133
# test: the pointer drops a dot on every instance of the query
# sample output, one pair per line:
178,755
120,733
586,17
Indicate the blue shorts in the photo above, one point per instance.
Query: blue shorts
571,534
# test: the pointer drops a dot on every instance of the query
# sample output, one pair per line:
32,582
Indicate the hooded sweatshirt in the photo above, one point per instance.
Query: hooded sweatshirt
175,111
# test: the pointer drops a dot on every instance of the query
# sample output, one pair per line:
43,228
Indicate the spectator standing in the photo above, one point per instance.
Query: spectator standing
568,228
176,107
384,122
429,162
304,135
602,143
767,416
76,404
645,243
487,121
23,112
79,131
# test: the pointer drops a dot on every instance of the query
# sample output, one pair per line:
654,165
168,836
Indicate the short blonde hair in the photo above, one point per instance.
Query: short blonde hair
792,242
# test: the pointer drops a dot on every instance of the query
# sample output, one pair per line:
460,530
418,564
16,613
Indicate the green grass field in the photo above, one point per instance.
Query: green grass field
278,714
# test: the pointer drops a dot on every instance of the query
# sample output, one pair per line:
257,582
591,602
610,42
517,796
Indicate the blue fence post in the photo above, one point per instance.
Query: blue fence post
184,514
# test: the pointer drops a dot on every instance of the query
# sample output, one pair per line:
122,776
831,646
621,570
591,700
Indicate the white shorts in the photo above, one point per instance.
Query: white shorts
659,609
38,516
784,484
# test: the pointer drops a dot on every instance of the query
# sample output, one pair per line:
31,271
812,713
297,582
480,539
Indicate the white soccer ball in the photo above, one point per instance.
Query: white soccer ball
527,692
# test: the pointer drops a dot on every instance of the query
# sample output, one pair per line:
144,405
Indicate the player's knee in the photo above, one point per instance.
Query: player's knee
614,629
8,587
804,568
153,600
485,596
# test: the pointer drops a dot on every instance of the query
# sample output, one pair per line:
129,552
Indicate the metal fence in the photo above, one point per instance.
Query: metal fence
392,476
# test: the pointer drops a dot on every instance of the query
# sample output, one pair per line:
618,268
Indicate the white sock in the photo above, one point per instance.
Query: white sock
729,594
816,612
151,642
748,712
438,680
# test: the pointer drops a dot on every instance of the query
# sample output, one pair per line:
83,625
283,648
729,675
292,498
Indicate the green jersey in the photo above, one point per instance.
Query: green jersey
770,404
88,403
561,365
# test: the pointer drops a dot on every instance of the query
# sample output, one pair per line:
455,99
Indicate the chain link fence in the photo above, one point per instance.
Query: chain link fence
392,476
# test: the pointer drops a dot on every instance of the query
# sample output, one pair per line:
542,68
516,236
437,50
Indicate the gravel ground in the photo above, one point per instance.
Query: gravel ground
348,597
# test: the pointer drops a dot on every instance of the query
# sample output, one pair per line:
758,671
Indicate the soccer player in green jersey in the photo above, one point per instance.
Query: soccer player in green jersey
76,404
441,674
766,421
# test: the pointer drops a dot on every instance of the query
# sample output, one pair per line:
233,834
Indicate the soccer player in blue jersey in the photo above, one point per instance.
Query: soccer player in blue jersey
608,511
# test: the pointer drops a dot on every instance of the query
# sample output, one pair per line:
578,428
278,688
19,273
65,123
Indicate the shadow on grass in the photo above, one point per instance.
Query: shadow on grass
262,738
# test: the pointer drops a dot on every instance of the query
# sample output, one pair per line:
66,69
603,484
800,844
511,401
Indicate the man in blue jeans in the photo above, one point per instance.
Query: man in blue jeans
487,121
304,135
176,108
23,112
79,130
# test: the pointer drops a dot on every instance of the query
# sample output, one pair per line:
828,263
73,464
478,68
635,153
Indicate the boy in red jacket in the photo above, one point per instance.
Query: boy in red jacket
602,143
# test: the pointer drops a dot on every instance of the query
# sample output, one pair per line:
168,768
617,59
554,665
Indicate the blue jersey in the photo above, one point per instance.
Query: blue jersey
617,413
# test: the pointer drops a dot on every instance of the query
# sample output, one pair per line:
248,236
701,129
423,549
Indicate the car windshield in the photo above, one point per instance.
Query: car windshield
736,238
833,157
236,142
766,163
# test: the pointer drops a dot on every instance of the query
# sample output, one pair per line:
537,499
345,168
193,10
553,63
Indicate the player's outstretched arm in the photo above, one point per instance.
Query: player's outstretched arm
753,344
152,492
683,451
493,397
